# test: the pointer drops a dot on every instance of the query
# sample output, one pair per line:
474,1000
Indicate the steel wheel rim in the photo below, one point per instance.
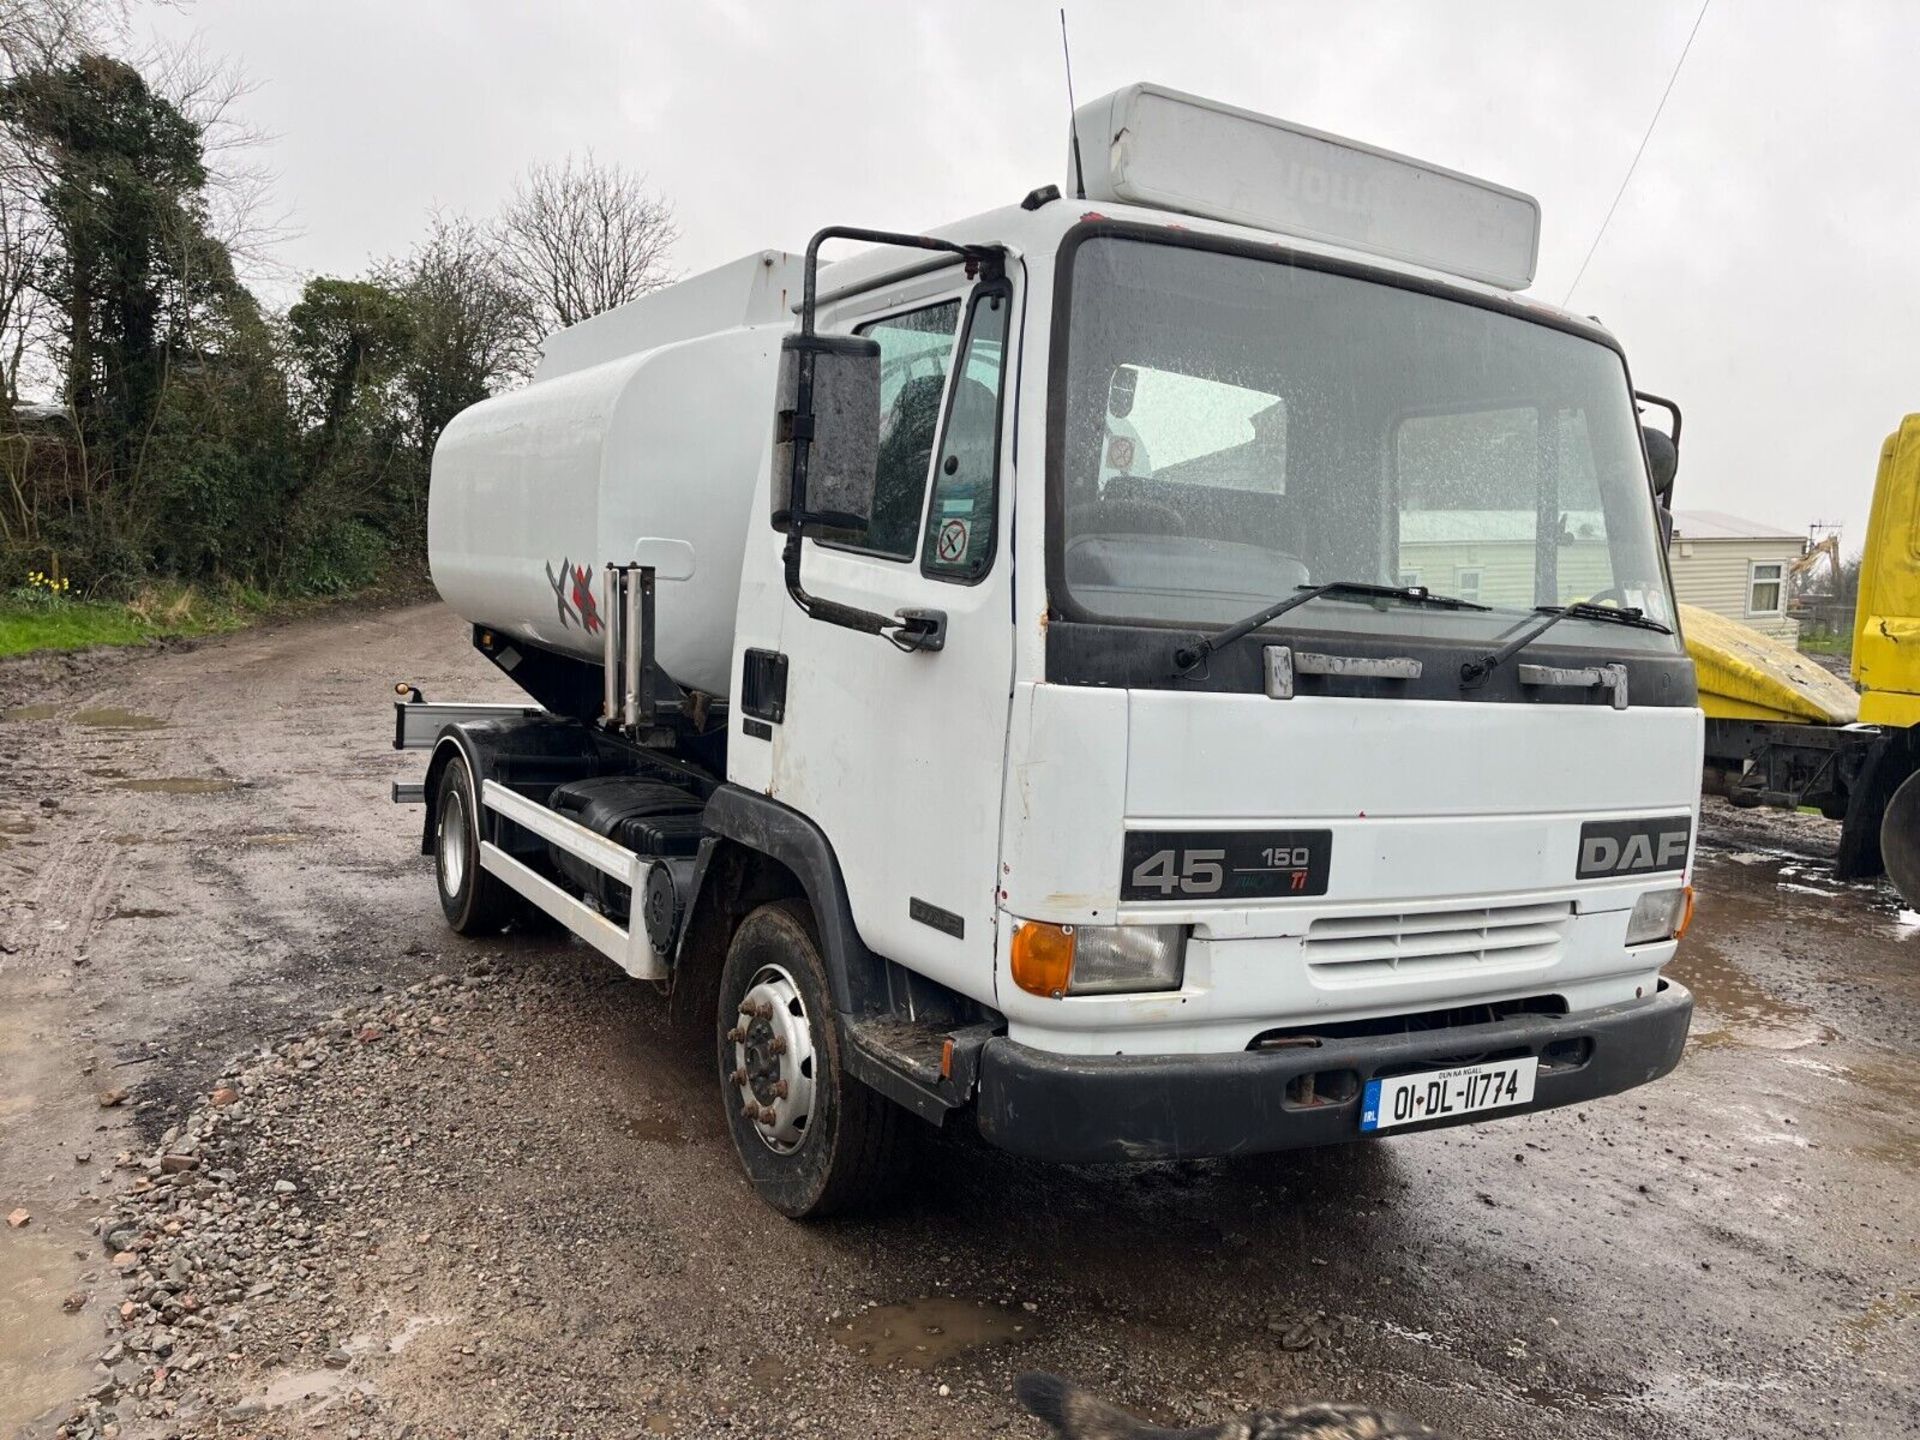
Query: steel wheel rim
451,842
774,1062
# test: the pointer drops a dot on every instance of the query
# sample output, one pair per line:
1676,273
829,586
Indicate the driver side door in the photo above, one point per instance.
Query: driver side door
898,756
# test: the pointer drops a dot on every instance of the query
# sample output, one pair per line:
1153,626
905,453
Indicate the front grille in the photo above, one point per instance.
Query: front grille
1355,948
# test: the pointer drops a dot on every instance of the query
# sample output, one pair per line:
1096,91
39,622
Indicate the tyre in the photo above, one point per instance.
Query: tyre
813,1140
474,902
1900,840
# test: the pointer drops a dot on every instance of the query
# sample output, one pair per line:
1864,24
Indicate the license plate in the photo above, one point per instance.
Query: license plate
1447,1094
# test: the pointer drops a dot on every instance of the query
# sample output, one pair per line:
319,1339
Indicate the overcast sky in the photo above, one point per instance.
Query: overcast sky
1762,268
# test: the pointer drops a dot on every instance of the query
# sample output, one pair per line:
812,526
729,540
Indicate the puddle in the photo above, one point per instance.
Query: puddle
1884,1311
30,712
112,717
44,1352
653,1126
1737,1010
134,912
107,773
178,785
919,1334
287,837
1889,1094
410,1330
315,1391
297,1387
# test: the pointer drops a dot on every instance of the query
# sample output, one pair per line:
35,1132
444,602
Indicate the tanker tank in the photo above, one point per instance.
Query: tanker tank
632,431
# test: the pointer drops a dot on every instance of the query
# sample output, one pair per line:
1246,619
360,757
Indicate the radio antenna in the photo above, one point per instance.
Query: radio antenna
1073,115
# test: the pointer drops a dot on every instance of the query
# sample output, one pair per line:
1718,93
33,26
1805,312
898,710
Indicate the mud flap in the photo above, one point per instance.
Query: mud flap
1868,800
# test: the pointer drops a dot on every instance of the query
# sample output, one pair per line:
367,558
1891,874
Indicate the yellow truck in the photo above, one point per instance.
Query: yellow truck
1783,731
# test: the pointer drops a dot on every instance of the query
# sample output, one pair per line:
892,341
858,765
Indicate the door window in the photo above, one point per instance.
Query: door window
915,350
958,542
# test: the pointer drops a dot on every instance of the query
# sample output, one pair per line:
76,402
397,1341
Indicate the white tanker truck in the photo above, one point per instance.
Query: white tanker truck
1183,670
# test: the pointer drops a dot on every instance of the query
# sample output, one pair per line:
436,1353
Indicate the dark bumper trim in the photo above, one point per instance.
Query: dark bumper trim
1086,1109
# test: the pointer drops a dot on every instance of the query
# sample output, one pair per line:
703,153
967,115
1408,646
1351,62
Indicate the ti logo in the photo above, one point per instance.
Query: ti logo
573,593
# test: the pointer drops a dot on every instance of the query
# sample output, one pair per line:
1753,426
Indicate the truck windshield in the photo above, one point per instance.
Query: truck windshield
1235,427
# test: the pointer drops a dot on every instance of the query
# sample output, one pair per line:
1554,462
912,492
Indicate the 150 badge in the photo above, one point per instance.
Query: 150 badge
1188,865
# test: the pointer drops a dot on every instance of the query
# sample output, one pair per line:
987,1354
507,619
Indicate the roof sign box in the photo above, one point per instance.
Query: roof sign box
1147,145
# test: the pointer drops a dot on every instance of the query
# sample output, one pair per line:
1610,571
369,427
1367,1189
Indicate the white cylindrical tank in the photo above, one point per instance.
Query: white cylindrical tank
535,491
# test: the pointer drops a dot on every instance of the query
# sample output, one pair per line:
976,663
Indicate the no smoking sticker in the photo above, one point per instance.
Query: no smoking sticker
952,544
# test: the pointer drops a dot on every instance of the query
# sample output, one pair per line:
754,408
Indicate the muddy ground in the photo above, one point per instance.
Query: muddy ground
490,1193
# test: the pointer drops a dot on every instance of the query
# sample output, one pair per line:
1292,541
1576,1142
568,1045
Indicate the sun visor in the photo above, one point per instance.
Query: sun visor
1150,146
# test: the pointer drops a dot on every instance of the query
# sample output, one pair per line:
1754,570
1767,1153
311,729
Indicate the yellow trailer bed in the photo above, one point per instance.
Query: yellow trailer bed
1744,675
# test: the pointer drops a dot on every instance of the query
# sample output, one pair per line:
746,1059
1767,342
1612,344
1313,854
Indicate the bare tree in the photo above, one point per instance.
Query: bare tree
470,333
40,34
581,237
35,35
241,209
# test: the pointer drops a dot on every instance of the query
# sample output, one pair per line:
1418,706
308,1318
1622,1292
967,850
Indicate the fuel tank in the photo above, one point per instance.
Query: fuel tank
651,422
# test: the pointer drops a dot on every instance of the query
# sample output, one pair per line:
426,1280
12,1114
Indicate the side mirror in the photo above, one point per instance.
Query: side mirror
826,443
1663,460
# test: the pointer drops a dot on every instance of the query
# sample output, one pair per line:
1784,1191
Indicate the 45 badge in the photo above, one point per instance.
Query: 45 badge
1188,865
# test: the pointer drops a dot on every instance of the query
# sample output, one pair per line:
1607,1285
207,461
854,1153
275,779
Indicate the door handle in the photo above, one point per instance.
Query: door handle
921,630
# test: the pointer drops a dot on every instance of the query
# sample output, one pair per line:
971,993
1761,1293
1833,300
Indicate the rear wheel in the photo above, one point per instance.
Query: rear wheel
813,1140
474,902
1900,840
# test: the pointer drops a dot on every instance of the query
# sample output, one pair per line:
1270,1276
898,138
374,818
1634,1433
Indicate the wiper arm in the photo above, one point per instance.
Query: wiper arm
1475,671
1187,657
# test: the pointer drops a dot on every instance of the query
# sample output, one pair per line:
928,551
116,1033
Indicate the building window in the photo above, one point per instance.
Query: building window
1409,579
1466,584
1765,584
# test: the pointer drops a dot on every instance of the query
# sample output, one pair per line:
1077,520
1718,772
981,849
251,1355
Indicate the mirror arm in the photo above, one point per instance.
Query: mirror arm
908,630
1660,402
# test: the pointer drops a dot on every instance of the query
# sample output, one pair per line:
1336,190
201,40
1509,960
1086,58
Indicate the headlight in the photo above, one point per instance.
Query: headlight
1058,960
1660,915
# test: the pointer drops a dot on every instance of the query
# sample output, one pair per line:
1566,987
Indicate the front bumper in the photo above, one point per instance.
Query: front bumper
1084,1109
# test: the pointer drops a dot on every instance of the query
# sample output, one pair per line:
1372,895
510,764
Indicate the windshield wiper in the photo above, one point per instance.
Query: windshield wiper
1475,671
1188,657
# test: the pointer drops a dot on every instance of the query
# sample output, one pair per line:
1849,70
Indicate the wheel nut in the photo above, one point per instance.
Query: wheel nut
766,1114
749,1111
764,1010
747,1009
777,1045
780,1089
740,1077
737,1034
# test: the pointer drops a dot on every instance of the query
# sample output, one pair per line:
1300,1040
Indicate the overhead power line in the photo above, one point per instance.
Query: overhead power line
1627,179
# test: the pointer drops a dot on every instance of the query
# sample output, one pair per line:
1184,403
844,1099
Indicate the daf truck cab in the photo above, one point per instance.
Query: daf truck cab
1331,773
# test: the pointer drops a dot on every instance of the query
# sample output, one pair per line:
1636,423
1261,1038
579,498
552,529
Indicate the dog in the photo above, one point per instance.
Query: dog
1077,1414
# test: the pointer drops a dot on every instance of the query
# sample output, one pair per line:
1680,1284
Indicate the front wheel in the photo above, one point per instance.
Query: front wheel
474,902
813,1140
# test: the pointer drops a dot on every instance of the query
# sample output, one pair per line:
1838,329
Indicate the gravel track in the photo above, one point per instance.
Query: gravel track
371,1180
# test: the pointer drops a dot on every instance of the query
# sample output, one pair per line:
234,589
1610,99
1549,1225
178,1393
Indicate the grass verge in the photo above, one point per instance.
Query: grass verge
1824,644
27,626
